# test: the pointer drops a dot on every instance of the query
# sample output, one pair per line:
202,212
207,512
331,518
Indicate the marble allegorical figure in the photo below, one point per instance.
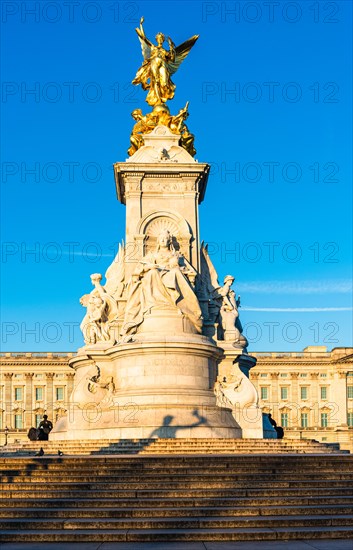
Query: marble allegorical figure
222,304
161,281
103,304
95,326
229,327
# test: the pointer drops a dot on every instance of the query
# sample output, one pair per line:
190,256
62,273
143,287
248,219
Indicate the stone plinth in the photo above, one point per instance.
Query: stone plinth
163,388
161,195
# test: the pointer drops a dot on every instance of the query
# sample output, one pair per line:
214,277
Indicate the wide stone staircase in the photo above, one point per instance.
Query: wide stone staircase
183,491
169,446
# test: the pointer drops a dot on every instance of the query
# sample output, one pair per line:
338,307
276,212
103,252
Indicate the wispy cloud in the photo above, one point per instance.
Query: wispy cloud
297,309
339,286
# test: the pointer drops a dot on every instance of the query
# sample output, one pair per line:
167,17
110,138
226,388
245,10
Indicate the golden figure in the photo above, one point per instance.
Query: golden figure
159,64
161,116
144,125
178,126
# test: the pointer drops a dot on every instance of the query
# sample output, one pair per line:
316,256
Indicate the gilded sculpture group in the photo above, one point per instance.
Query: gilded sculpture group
162,278
176,124
154,75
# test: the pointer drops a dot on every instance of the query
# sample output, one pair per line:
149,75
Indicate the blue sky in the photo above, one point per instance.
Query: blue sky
269,89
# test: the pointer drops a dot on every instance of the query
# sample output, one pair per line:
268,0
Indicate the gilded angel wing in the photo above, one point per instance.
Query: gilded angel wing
209,275
180,53
115,274
145,43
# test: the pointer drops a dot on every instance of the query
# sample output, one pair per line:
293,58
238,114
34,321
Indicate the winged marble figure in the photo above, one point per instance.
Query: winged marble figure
159,64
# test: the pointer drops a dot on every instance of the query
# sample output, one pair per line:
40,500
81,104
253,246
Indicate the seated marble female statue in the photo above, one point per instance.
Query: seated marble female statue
160,281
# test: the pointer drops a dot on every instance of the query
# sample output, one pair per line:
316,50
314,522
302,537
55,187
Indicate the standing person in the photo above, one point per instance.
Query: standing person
45,427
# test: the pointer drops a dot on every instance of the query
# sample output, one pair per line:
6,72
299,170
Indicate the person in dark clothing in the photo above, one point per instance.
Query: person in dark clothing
32,434
44,428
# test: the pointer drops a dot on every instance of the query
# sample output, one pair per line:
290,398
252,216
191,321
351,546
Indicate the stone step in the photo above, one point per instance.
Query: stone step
169,512
182,464
149,535
178,522
171,446
175,442
207,494
165,479
176,484
273,501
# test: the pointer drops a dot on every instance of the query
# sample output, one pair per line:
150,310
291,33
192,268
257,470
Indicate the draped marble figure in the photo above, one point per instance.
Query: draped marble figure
160,281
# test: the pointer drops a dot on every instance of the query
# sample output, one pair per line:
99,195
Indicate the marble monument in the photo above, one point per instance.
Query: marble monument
164,354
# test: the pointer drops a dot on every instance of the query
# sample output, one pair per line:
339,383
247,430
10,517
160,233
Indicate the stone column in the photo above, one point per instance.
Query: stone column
49,399
28,415
295,401
69,386
315,397
274,402
8,421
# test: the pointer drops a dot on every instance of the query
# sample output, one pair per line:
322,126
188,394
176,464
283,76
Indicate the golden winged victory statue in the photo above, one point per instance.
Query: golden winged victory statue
154,75
159,65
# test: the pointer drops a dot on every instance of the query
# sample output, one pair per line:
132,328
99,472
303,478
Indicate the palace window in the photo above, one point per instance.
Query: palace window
18,394
18,421
323,392
284,393
350,392
38,419
350,419
59,393
39,394
304,420
264,393
284,420
324,420
303,392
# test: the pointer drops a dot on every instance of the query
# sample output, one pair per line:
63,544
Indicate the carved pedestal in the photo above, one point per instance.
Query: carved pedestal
150,362
163,388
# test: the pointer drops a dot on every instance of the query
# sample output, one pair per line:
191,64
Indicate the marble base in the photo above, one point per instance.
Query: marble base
163,388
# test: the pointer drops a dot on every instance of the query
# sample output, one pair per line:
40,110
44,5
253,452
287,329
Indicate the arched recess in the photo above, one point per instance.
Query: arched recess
151,225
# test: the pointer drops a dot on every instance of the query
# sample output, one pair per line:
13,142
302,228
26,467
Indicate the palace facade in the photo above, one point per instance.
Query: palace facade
308,393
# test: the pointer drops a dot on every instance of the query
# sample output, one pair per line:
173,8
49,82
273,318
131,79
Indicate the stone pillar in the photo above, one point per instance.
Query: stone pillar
339,415
69,385
275,398
49,399
8,420
28,415
294,415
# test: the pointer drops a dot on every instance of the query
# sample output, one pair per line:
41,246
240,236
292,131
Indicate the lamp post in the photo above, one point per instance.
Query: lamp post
6,431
